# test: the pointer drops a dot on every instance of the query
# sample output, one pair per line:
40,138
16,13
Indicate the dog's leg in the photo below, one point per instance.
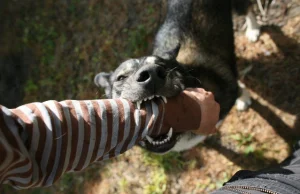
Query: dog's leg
244,7
244,101
253,29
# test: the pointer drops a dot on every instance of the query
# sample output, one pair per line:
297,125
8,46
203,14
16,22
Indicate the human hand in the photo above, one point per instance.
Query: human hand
192,110
210,110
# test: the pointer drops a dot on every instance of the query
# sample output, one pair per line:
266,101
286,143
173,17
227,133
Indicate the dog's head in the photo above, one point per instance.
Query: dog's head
146,78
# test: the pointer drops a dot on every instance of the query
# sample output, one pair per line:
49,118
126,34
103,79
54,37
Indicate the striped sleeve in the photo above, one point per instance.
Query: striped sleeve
41,141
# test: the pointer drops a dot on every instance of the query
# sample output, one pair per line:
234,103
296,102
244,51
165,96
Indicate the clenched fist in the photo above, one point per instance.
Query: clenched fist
193,110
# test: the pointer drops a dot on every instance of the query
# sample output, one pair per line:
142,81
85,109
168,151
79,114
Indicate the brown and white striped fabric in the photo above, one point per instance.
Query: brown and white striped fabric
41,141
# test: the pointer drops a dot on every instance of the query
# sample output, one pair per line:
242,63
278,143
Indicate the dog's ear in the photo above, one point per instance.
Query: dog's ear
103,80
171,54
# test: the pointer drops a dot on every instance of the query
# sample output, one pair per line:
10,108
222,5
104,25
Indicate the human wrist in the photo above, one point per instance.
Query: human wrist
183,113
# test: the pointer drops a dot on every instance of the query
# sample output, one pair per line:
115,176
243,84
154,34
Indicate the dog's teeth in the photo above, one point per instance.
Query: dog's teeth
149,139
157,96
164,99
138,104
170,133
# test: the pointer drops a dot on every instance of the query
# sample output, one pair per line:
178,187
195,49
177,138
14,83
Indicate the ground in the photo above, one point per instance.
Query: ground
63,44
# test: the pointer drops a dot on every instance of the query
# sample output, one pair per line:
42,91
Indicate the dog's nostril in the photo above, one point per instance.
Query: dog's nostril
161,72
143,76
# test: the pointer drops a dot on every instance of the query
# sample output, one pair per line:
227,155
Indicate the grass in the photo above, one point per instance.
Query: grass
70,43
170,162
158,184
162,165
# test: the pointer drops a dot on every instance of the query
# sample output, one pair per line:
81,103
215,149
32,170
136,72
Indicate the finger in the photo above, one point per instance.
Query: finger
201,90
214,130
196,95
210,95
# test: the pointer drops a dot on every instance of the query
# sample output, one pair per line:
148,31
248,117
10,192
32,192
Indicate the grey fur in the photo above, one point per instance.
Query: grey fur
193,48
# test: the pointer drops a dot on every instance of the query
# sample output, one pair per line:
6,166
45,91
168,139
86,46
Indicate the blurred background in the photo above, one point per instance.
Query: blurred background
53,49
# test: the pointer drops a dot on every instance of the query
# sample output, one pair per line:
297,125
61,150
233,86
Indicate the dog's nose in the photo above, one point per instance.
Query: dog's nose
150,74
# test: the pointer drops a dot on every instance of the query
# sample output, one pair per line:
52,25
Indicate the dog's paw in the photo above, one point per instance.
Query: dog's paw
252,34
244,101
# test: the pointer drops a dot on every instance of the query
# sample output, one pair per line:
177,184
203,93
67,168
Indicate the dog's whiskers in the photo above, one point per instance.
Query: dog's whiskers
170,71
196,79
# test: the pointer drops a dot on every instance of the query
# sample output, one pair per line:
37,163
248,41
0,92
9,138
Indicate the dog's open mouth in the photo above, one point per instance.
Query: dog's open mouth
153,97
162,143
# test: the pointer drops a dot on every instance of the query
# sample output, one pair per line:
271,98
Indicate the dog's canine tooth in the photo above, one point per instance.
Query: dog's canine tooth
150,139
170,133
164,99
138,104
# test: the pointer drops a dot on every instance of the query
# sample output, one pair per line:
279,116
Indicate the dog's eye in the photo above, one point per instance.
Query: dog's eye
121,77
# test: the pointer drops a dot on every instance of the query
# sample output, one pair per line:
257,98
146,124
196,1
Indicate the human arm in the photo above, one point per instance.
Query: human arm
41,141
197,108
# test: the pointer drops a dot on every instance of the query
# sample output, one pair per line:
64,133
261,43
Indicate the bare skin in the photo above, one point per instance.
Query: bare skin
193,110
210,110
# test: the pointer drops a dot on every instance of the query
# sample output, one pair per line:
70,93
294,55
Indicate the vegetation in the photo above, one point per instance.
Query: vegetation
68,42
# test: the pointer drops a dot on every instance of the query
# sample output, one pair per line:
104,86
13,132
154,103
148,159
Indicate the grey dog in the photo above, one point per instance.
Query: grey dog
194,47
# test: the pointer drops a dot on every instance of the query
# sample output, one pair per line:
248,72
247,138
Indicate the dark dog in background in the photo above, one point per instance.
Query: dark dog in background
194,47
